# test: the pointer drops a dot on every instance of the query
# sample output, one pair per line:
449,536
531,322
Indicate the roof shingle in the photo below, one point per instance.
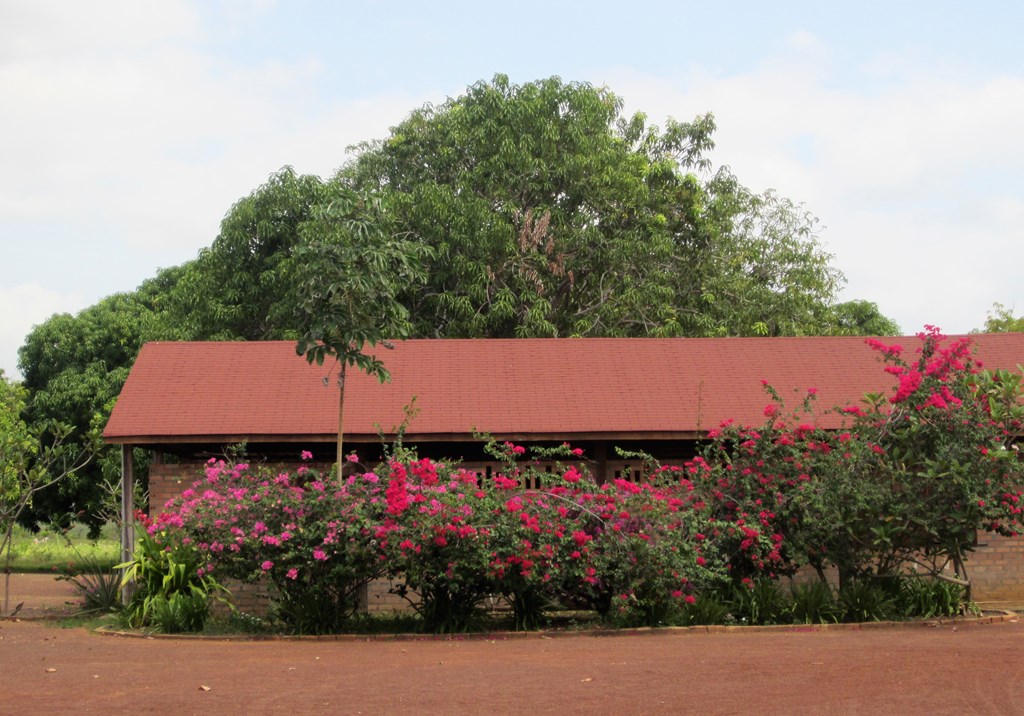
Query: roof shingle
516,387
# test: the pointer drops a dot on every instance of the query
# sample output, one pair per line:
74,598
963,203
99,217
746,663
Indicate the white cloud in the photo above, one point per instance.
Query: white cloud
128,130
22,307
124,134
918,181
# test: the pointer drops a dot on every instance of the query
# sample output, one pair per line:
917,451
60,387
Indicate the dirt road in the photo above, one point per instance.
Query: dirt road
966,668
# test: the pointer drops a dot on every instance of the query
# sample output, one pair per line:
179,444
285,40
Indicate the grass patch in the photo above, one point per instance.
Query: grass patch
88,621
53,551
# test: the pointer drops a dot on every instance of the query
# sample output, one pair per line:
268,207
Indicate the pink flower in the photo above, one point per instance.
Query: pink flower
267,566
578,452
319,555
771,410
292,573
306,455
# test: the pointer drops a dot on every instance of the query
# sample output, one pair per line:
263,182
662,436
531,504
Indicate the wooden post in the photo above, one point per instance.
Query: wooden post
601,456
127,515
341,416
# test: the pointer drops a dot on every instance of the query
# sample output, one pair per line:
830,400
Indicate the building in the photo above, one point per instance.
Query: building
186,402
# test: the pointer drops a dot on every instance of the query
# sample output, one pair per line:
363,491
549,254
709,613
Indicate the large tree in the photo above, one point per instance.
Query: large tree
536,210
1001,320
552,213
74,367
238,287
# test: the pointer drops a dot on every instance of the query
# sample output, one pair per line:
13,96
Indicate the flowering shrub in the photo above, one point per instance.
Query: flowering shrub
909,479
632,552
437,540
310,536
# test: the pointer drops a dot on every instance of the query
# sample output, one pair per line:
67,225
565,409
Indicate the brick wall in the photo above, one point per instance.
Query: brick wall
996,569
167,480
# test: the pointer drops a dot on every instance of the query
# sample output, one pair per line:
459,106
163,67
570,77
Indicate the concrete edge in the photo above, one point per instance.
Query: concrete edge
1004,616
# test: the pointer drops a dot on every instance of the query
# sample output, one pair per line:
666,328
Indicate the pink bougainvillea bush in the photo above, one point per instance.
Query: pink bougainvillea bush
633,553
907,482
313,538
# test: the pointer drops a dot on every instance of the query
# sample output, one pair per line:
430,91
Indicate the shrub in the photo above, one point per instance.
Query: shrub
760,602
928,598
312,537
97,584
171,592
867,600
813,603
706,608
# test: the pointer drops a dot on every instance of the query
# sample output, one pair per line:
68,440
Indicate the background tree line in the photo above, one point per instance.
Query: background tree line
529,210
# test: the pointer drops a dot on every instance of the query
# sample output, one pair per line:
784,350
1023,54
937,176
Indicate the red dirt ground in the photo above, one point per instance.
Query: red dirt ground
942,669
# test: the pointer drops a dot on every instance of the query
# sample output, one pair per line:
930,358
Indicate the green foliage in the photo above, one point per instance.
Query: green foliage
707,608
766,274
922,598
51,549
31,460
349,271
240,288
867,600
813,603
74,368
861,318
1001,320
96,583
16,443
760,601
171,593
513,210
553,214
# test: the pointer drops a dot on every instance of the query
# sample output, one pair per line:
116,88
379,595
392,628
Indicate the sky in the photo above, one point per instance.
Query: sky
128,128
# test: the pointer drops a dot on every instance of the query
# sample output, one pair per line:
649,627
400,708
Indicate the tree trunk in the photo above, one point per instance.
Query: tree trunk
341,416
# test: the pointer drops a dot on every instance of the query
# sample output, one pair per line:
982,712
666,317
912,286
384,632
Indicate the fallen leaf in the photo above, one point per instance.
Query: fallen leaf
586,679
204,687
50,670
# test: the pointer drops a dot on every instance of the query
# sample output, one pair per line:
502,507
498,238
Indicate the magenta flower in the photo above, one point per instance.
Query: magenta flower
292,573
267,566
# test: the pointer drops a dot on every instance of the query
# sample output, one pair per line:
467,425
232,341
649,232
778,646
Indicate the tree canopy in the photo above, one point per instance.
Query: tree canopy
1001,320
554,214
528,210
348,271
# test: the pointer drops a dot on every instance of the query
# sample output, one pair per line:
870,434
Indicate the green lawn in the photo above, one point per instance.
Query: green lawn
50,551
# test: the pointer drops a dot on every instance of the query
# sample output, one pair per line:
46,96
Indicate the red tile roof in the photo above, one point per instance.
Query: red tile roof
600,387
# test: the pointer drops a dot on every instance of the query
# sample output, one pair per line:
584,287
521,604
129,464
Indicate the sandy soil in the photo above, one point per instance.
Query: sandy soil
940,669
